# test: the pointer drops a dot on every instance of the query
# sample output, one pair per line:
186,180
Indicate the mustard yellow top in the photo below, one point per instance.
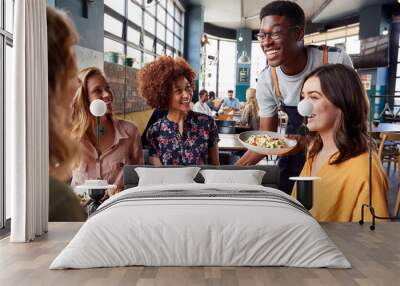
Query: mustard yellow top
343,189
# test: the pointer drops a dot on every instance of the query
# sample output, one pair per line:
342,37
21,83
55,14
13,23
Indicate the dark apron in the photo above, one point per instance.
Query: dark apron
291,166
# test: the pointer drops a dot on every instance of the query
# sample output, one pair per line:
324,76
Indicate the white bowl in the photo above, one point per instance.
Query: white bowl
291,143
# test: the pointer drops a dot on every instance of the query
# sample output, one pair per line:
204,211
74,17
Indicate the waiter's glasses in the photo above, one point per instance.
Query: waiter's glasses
276,35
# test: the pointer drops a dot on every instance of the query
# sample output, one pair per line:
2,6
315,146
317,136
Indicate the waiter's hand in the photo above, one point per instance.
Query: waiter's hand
299,147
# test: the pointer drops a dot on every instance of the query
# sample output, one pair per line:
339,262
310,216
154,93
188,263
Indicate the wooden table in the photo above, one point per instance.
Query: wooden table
230,142
386,128
235,124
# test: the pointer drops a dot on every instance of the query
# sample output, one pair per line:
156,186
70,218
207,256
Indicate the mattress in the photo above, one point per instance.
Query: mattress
201,225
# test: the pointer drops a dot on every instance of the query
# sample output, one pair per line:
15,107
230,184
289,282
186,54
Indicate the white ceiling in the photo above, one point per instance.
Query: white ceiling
338,9
228,13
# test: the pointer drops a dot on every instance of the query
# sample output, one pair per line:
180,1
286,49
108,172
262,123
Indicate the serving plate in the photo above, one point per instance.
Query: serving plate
291,143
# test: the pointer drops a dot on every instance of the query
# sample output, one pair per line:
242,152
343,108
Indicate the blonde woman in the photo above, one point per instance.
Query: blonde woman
250,115
62,84
119,145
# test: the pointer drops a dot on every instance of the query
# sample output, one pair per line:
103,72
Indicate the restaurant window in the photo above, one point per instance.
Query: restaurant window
151,9
161,32
134,26
148,58
161,14
113,46
258,63
170,22
135,13
169,52
397,84
345,37
335,42
116,5
170,6
112,25
353,45
133,36
208,76
170,38
149,23
218,70
227,67
160,49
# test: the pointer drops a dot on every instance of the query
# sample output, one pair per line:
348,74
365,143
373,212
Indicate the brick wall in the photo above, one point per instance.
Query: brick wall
116,77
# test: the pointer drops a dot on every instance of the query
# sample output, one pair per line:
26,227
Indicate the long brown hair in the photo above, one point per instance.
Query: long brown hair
252,102
61,38
81,116
343,88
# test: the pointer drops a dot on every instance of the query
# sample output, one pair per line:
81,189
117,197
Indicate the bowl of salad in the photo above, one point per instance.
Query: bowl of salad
266,142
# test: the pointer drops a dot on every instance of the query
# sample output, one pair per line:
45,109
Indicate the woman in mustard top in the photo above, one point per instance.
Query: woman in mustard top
339,149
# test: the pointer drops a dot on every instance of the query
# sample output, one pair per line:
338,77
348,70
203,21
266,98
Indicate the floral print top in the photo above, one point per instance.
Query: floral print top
200,132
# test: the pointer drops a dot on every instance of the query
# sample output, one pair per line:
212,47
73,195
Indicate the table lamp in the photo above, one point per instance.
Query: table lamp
305,108
305,184
97,108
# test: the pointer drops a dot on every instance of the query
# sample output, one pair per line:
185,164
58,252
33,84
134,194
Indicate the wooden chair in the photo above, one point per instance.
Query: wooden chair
389,151
396,210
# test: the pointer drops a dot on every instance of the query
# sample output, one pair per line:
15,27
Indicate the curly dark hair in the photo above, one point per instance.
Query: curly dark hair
291,10
156,79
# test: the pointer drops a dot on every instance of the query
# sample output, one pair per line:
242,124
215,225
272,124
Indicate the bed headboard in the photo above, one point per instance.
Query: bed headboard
270,179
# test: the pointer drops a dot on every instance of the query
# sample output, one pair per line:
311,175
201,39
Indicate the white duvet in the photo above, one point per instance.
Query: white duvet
188,231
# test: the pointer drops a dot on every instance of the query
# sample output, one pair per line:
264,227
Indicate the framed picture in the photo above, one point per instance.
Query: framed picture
244,75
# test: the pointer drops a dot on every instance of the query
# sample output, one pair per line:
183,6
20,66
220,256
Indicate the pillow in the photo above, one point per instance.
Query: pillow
248,177
164,176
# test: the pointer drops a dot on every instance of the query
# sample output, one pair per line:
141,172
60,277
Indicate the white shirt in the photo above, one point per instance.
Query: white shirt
290,86
203,108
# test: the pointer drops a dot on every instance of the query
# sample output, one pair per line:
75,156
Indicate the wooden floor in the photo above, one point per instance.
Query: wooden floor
375,256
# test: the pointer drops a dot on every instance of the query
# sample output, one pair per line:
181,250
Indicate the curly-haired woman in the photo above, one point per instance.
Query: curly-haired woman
182,137
339,150
120,144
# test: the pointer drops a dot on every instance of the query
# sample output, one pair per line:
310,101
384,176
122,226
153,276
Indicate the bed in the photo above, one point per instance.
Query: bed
201,224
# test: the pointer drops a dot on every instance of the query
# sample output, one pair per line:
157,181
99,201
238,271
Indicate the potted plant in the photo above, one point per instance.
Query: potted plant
128,62
111,57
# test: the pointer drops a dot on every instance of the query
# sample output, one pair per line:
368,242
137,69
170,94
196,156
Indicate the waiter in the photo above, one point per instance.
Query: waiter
279,85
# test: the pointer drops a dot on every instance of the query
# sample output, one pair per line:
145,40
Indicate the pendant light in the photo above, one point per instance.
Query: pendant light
244,58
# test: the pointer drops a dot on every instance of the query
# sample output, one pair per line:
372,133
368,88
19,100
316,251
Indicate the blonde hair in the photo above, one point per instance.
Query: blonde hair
61,38
81,116
251,101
